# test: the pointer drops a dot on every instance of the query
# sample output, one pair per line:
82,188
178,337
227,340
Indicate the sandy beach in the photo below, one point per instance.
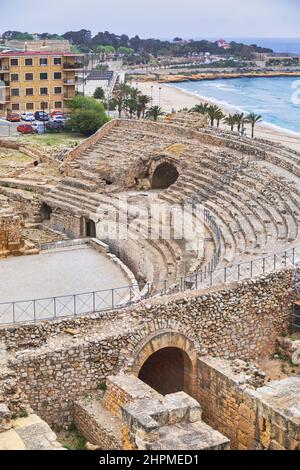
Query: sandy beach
171,98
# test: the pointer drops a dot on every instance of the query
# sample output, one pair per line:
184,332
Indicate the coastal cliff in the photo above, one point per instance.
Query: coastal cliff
214,76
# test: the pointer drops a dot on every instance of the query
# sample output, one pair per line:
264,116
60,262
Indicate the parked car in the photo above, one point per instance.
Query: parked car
39,127
26,129
41,116
13,117
58,118
56,113
55,126
27,117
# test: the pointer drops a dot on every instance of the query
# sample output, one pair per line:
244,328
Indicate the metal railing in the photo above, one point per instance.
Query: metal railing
110,299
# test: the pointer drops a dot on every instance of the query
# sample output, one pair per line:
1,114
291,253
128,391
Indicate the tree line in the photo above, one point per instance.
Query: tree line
86,42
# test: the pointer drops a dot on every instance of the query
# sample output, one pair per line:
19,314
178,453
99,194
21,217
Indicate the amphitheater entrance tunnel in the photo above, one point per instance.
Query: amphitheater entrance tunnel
88,228
164,176
167,370
45,212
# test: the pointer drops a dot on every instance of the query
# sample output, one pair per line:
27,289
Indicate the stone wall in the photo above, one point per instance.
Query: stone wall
96,424
261,419
12,242
56,362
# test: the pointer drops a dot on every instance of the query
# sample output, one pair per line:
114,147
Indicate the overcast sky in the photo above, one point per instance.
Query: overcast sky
156,18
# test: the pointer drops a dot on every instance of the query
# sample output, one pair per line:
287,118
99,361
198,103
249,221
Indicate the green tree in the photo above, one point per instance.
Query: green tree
231,121
253,119
143,100
213,112
219,116
132,106
125,50
240,119
154,113
99,93
200,108
87,115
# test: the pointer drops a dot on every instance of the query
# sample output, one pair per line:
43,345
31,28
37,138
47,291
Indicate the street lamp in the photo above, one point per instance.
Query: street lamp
43,111
159,96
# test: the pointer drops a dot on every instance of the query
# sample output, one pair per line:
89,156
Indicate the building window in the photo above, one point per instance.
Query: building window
43,76
44,105
29,91
15,92
29,106
29,76
43,62
28,62
58,104
57,75
14,62
57,90
15,107
43,91
14,77
57,61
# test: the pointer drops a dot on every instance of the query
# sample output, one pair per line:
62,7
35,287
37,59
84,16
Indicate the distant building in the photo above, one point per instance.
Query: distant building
34,77
222,43
43,45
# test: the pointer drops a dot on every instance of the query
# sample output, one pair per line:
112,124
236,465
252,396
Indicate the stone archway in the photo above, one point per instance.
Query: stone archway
167,361
45,212
164,176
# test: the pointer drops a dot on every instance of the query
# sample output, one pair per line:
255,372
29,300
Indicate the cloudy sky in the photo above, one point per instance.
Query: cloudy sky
156,18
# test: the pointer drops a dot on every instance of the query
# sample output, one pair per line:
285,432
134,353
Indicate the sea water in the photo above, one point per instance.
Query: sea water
276,99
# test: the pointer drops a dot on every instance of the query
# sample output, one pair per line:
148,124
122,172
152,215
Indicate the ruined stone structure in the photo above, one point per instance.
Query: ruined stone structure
180,345
133,416
250,190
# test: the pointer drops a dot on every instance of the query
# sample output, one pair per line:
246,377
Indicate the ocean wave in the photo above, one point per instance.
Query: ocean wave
262,108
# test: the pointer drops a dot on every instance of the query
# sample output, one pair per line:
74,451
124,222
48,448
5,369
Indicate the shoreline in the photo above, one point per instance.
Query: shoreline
170,97
199,76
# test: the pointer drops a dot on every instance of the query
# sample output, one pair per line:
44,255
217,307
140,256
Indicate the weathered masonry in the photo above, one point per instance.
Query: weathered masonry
55,363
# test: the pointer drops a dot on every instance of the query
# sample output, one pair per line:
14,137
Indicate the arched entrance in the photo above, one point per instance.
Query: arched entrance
45,212
167,371
90,228
164,175
167,361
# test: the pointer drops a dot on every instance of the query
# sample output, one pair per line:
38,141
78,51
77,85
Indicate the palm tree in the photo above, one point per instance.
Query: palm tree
131,106
143,100
240,119
231,121
219,116
200,108
213,112
253,119
154,113
121,97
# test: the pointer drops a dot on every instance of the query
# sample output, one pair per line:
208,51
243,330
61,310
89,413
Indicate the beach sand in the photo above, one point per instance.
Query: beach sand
172,98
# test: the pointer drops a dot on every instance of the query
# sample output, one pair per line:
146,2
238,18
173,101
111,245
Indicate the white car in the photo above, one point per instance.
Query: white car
38,126
59,118
29,117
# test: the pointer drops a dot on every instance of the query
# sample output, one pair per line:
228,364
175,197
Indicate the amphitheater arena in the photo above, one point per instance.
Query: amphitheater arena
166,361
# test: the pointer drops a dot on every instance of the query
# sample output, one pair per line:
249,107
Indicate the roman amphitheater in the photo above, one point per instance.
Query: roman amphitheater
148,341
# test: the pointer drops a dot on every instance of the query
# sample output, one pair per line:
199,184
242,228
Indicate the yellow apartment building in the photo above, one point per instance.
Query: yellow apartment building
32,81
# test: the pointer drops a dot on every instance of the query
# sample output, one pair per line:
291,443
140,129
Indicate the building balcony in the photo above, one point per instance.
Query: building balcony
69,96
4,100
70,82
4,68
73,66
